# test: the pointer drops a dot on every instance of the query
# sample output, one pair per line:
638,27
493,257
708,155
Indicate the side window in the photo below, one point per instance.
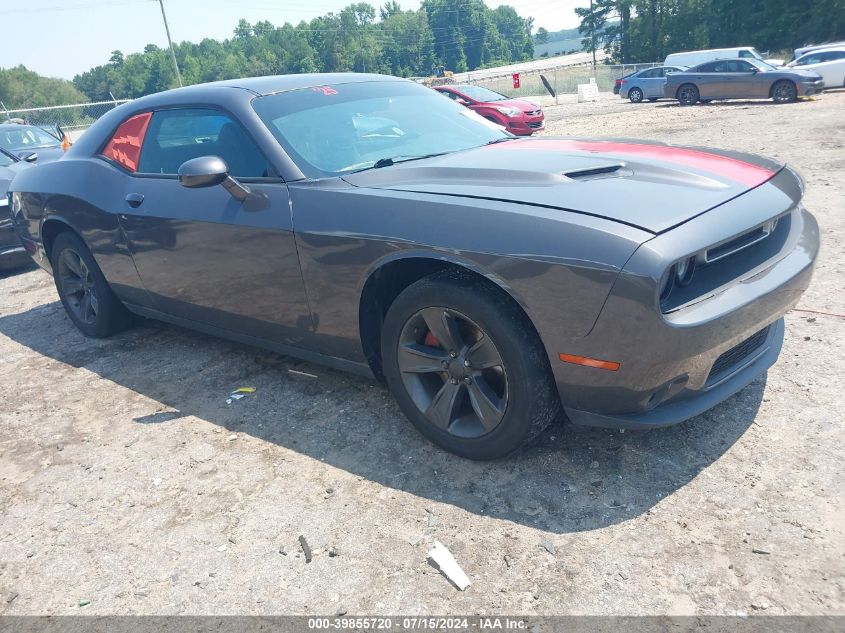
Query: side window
175,136
650,74
124,147
708,68
746,54
740,67
810,59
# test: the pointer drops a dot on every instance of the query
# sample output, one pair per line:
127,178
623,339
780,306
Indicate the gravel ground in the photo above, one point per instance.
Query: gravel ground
129,486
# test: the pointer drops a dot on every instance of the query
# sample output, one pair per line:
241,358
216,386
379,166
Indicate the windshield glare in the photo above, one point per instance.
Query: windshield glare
26,137
332,130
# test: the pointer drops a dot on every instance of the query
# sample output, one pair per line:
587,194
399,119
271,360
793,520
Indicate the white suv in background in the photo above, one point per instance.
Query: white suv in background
827,62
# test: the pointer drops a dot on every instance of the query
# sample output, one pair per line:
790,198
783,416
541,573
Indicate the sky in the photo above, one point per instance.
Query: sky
61,38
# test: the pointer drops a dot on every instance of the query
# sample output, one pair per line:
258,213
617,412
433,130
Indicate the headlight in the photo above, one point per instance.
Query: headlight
684,270
679,274
509,112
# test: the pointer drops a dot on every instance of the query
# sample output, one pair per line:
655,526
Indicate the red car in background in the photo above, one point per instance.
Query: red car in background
517,116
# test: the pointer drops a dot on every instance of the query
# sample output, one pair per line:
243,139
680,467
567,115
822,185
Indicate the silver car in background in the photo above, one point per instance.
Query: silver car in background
741,79
647,83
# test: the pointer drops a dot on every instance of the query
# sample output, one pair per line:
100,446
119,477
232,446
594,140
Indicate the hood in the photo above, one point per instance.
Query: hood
45,154
651,186
519,104
803,72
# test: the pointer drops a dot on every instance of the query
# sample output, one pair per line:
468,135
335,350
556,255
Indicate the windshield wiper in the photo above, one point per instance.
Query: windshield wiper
501,140
389,161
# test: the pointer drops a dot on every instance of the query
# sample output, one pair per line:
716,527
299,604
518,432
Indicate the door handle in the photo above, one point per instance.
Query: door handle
134,200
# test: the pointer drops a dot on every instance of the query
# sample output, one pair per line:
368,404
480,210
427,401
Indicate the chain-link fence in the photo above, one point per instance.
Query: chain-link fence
563,79
73,119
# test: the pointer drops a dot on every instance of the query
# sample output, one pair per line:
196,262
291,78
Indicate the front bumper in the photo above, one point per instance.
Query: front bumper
526,125
672,365
810,88
688,406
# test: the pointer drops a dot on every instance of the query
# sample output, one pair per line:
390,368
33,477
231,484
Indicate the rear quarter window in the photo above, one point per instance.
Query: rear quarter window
124,147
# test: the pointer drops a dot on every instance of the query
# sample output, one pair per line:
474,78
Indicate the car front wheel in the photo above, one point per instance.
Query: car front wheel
84,292
466,367
784,92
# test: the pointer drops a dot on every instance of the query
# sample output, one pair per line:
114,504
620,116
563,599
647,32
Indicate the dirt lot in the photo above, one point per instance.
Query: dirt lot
128,485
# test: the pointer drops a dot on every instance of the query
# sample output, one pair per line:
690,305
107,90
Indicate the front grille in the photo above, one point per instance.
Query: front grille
539,124
534,113
738,353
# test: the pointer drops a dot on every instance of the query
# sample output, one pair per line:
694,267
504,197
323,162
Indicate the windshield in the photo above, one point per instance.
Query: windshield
756,54
760,64
332,130
480,94
24,137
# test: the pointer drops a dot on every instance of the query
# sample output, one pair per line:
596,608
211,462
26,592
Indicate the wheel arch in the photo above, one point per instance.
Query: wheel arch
50,229
390,276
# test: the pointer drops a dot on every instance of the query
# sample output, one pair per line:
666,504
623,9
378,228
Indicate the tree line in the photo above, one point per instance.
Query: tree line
457,35
634,31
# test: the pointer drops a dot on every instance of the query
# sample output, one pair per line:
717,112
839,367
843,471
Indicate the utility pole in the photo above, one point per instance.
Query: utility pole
592,35
173,52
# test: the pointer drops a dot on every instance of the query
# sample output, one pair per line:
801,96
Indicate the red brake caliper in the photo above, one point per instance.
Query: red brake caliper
430,340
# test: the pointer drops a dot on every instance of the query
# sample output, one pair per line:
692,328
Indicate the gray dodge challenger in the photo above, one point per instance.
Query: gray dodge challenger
362,221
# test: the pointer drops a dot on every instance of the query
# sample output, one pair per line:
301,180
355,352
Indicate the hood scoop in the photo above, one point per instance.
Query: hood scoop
601,171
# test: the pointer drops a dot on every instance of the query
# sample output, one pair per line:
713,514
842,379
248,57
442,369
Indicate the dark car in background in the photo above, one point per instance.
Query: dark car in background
12,253
647,83
365,222
30,142
741,79
517,116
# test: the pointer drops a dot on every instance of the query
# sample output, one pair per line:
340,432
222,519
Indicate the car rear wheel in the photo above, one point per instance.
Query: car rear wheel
784,91
635,95
688,94
467,367
84,292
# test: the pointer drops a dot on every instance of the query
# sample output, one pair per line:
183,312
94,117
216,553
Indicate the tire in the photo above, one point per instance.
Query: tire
688,94
485,412
635,95
88,300
784,91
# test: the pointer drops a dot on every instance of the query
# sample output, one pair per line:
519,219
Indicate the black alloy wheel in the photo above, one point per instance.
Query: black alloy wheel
688,94
77,285
86,295
467,367
784,92
453,372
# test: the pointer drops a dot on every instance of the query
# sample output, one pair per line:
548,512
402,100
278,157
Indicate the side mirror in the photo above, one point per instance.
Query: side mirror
205,171
209,171
754,70
462,102
29,157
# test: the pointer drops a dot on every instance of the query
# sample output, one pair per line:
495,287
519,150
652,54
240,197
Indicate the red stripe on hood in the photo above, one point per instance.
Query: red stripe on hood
725,166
